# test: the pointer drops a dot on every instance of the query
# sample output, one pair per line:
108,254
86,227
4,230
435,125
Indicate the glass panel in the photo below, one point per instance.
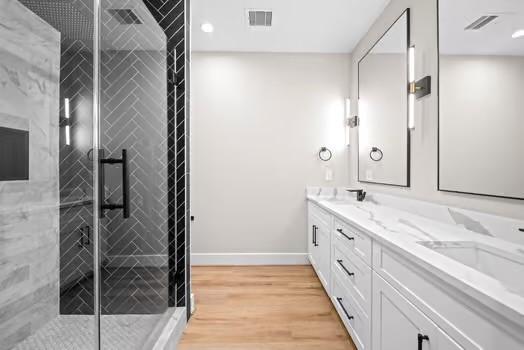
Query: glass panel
46,192
133,177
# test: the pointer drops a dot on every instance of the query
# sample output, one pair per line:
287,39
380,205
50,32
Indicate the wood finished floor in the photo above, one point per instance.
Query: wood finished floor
262,308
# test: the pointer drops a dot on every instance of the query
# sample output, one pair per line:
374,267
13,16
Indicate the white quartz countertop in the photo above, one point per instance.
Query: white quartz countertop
401,231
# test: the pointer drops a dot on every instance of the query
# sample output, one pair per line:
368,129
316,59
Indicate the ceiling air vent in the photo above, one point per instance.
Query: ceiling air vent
259,18
124,16
481,22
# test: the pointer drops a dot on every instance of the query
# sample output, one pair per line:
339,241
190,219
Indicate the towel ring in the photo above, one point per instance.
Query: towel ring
376,154
325,154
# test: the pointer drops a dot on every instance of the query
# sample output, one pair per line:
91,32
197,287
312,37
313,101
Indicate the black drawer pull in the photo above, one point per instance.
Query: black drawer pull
343,234
340,262
339,300
421,338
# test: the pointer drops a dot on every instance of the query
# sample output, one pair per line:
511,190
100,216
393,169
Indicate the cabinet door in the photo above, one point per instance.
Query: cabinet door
322,255
312,223
398,324
310,238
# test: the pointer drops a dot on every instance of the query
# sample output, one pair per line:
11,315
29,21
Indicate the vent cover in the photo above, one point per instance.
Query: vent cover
260,18
124,16
481,22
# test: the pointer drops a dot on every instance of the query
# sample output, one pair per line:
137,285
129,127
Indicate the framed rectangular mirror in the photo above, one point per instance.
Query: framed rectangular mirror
383,108
481,104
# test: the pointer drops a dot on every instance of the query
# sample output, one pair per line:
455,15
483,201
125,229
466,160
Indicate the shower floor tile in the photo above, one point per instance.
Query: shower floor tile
76,332
124,290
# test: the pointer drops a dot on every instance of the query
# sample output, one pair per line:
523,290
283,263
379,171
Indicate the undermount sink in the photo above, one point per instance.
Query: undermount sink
506,267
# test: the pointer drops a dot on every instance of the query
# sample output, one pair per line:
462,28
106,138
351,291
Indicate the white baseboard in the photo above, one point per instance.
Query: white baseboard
228,259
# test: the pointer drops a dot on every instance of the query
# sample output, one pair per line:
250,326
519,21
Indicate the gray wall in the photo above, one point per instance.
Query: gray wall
424,144
258,122
29,253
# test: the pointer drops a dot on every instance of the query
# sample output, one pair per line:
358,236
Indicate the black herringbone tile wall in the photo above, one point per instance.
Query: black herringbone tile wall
76,180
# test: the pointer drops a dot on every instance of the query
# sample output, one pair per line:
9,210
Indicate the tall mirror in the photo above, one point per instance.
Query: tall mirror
481,118
383,108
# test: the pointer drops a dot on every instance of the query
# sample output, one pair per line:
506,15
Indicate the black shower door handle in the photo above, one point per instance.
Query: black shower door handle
125,205
125,183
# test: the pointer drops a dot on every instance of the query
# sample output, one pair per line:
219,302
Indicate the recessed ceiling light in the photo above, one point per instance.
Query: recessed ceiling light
207,28
518,34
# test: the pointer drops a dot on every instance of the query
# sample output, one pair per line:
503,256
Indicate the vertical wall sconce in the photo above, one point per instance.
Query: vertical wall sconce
67,123
350,122
416,89
347,118
411,95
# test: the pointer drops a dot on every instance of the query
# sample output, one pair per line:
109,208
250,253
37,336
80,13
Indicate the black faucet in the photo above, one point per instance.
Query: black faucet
361,194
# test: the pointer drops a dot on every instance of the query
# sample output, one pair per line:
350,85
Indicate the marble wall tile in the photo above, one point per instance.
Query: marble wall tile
29,100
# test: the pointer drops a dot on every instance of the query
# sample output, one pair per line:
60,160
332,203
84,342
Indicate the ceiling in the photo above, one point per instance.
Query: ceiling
493,39
74,20
317,26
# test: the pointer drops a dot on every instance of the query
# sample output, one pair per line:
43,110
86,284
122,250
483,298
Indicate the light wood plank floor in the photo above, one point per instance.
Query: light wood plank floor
262,308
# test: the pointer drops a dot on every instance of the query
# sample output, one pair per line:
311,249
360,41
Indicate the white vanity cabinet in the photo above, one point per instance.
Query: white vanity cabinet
388,302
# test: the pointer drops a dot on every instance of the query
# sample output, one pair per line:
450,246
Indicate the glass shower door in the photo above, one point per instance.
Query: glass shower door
132,177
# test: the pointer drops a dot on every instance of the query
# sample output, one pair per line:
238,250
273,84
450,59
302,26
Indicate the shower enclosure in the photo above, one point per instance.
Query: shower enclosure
92,233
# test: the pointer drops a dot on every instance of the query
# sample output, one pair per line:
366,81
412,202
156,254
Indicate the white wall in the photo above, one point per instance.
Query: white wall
424,137
258,122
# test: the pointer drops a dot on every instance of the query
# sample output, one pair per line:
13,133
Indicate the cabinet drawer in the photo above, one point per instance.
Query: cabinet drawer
356,322
320,216
353,240
354,274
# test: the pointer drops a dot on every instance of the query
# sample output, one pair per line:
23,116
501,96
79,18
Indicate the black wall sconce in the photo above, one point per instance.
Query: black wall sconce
421,87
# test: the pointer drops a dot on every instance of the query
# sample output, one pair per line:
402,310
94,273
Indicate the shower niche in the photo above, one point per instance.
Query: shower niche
14,154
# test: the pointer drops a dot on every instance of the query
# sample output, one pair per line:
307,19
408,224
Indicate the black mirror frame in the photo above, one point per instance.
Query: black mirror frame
406,12
439,188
